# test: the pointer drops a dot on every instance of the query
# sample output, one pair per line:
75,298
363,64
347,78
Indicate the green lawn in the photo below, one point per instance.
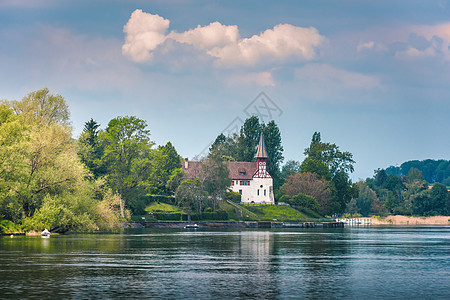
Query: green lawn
280,213
162,207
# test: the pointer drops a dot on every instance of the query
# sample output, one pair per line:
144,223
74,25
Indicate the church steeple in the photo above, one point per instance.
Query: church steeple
261,152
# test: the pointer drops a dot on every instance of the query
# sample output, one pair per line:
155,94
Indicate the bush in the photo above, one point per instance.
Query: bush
305,201
233,196
7,226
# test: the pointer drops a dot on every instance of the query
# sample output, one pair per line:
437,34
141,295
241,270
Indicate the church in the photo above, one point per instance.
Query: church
250,179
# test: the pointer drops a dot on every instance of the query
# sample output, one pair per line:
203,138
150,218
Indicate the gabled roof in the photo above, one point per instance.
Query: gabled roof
238,170
241,170
261,152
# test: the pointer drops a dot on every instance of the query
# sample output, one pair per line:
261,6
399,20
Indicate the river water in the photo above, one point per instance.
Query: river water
341,263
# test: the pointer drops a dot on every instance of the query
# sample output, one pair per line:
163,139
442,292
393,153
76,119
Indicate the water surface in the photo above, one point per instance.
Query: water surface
351,263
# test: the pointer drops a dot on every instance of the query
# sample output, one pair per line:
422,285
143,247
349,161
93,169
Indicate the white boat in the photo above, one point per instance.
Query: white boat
192,226
45,233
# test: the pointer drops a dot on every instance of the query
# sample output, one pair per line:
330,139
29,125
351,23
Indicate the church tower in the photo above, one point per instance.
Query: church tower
262,185
261,160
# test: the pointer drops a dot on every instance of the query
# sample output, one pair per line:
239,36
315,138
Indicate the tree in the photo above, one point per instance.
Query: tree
90,148
165,160
367,201
191,196
438,195
41,107
330,164
127,146
310,184
414,175
248,139
274,148
214,174
45,181
291,167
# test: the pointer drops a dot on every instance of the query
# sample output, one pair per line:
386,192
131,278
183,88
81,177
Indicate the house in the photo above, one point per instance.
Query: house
250,179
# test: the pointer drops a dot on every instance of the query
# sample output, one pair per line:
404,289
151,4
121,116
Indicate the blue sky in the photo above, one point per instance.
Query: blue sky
371,76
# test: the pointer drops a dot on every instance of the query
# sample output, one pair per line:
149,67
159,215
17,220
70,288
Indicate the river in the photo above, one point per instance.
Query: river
341,263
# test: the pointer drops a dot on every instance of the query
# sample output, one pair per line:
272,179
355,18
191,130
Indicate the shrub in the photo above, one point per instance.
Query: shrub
233,196
305,201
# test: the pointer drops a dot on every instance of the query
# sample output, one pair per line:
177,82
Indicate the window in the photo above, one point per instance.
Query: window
240,192
242,183
257,192
232,182
248,182
264,192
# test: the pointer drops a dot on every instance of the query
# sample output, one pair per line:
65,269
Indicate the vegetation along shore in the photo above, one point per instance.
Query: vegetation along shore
115,174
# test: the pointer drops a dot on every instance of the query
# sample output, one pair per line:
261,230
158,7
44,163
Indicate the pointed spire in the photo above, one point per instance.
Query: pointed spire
261,152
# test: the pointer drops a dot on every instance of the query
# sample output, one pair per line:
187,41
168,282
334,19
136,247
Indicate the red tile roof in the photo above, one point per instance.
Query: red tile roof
238,170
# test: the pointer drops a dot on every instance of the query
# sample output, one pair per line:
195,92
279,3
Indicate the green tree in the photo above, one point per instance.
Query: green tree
49,185
274,148
191,196
165,160
214,174
367,201
438,195
90,148
42,107
127,146
248,139
333,165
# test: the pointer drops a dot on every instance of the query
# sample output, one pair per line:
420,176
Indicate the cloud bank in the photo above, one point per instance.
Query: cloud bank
146,32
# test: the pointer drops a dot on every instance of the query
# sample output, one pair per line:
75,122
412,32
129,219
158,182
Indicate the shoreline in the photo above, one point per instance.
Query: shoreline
409,220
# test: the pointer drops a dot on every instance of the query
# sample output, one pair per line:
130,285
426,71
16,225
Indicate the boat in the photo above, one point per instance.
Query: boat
45,233
191,226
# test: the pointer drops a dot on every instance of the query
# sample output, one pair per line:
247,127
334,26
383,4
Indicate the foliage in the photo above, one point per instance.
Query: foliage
7,226
191,196
214,174
126,146
331,165
305,201
43,182
232,196
432,170
310,184
243,147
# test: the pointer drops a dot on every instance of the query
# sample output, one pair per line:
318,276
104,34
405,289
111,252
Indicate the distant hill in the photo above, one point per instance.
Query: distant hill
432,170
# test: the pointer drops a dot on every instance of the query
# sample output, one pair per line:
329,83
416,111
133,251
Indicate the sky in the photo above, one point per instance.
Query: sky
373,77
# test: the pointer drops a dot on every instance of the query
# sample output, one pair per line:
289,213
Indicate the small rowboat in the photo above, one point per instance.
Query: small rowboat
45,233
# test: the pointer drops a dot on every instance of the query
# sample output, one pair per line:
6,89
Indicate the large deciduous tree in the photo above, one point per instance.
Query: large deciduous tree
127,145
310,184
331,164
214,174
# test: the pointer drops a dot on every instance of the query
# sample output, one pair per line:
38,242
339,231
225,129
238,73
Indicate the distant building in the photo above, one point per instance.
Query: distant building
250,179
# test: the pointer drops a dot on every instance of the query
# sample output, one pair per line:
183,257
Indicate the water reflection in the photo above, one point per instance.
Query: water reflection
223,264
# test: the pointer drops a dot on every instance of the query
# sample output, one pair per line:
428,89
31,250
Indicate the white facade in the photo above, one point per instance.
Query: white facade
259,191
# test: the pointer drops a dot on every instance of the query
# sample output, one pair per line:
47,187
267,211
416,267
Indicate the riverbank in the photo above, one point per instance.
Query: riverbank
406,220
243,224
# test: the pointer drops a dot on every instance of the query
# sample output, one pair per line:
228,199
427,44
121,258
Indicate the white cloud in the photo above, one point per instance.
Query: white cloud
325,76
362,46
146,32
261,79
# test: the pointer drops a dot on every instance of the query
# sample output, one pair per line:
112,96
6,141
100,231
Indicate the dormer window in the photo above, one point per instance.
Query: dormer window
242,172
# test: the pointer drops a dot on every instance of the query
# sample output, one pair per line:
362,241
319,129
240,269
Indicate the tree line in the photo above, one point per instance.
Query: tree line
50,180
410,194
